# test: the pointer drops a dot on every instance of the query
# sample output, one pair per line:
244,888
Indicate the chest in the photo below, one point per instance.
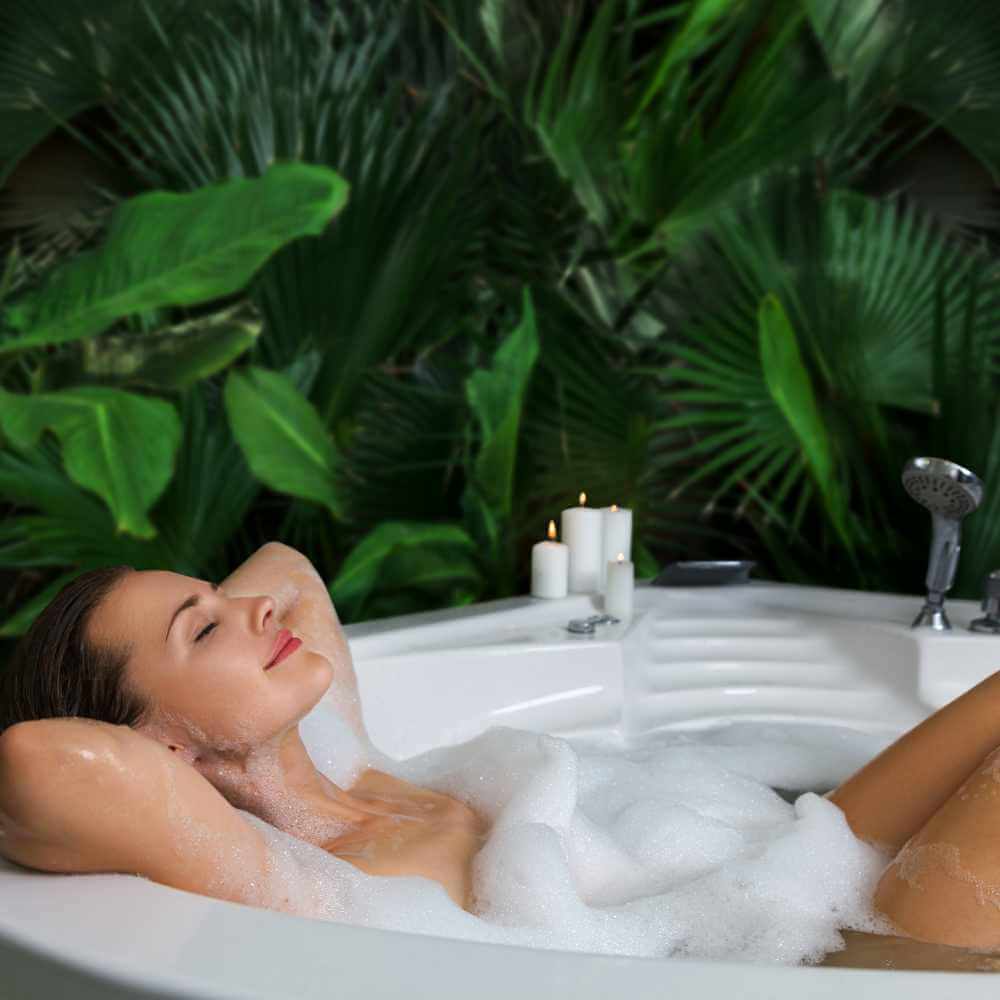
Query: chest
412,831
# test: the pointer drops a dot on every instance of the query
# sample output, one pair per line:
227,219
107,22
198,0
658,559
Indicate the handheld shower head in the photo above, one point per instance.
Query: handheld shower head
943,487
950,492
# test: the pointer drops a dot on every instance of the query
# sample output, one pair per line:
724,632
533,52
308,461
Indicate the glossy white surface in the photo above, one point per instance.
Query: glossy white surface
690,657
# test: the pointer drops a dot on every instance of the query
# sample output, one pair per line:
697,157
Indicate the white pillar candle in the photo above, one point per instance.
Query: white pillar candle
582,530
620,585
549,566
617,536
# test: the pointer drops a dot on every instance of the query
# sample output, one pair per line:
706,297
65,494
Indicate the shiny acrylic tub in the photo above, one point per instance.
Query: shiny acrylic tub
691,657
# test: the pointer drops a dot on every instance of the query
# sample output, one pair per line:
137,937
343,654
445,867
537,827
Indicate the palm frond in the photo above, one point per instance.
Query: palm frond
857,281
60,57
653,146
941,60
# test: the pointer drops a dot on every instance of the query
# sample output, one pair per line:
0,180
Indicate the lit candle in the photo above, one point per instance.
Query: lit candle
617,536
618,592
582,529
549,566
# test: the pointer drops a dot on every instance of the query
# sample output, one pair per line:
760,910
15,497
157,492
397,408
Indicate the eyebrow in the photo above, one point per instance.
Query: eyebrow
189,602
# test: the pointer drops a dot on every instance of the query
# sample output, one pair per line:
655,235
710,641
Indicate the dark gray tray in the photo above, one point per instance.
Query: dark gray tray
704,573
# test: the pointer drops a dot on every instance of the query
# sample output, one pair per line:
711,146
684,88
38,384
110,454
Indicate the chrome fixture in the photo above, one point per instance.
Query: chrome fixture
990,622
950,492
588,626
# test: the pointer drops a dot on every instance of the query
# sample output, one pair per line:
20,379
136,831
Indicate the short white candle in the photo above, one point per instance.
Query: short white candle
621,584
582,530
549,566
617,536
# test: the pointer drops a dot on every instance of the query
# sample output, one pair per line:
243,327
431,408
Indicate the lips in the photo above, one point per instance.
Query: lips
284,646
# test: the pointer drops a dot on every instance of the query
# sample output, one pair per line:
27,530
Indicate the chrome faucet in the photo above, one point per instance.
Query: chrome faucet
950,492
588,626
990,622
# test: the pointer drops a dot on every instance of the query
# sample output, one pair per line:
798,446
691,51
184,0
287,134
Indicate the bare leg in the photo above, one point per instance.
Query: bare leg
944,886
894,795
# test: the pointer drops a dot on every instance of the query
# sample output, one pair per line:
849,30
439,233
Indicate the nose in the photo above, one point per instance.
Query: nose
261,612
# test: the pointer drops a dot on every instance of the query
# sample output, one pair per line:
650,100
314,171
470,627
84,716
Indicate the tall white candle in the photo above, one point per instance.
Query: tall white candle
582,530
549,566
617,536
620,585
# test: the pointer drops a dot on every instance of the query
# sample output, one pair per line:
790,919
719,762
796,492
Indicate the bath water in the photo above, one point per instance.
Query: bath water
681,846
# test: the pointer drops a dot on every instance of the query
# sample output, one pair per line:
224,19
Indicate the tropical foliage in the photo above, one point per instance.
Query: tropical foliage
393,280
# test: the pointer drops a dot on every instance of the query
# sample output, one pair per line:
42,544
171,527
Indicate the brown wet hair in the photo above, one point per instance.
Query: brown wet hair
57,672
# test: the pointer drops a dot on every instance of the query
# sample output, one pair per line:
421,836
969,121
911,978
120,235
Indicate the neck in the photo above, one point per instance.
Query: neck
279,783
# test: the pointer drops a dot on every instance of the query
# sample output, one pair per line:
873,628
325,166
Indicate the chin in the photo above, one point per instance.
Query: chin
320,677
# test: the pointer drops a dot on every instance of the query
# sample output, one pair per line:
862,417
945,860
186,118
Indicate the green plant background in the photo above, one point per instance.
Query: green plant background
392,282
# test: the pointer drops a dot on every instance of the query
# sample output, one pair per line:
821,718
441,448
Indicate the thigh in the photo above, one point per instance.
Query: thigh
944,885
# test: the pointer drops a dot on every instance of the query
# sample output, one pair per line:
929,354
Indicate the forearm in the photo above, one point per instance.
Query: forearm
83,796
892,796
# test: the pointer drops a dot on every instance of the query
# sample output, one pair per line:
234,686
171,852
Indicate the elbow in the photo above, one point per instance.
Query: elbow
41,759
22,759
280,547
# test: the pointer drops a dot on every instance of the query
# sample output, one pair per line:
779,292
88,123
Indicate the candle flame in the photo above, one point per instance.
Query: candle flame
614,507
552,530
621,557
583,499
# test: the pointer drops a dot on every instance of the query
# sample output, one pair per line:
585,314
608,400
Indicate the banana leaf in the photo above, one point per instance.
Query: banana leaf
403,555
119,445
167,249
282,437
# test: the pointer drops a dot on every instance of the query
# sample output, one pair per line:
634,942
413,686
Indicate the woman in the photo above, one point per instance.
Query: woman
192,715
192,720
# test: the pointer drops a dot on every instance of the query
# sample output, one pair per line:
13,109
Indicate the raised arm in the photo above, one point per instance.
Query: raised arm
303,605
83,796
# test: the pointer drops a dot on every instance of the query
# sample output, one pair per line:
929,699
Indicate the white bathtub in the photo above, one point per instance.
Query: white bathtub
691,657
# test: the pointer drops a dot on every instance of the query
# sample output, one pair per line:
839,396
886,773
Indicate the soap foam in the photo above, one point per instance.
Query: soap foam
675,848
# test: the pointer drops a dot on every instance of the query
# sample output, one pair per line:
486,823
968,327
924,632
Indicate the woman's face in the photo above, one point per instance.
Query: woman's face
200,663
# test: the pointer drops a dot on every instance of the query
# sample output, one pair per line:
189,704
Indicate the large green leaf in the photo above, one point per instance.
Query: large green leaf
117,444
399,555
201,518
282,436
791,388
495,397
177,249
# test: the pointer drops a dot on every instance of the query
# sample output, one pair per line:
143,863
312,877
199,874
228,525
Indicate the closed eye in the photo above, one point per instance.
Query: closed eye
208,628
